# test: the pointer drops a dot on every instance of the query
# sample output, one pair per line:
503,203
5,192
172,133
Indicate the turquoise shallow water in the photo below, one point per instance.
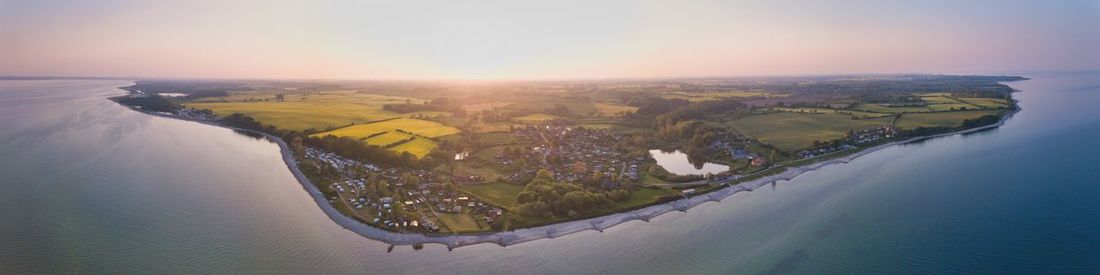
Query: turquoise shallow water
88,186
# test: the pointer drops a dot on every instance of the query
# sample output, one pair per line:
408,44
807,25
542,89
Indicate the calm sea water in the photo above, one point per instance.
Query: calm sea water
87,186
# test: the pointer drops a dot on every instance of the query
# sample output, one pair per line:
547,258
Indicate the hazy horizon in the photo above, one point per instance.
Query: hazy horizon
396,40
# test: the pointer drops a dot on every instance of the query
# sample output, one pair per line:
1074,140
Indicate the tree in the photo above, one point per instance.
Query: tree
296,145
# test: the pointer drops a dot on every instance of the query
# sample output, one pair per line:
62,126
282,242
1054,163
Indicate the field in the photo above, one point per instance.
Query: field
499,193
421,127
575,106
612,110
536,117
317,110
708,96
419,147
642,196
876,108
388,138
991,103
460,222
945,119
858,114
790,131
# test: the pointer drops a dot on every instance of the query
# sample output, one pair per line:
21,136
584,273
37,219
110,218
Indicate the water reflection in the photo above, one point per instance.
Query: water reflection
679,163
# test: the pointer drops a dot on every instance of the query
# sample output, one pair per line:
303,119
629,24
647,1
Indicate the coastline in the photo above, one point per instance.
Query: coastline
518,236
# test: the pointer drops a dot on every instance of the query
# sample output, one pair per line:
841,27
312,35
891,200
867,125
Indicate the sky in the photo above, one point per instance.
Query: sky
542,39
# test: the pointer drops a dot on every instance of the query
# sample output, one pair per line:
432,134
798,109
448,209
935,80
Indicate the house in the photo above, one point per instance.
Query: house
759,161
688,192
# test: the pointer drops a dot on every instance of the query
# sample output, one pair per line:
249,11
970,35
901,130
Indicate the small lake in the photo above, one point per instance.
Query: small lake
678,163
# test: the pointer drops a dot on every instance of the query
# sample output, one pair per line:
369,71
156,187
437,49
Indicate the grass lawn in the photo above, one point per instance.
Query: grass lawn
318,110
946,119
536,117
421,127
643,196
790,131
472,167
499,193
419,147
460,222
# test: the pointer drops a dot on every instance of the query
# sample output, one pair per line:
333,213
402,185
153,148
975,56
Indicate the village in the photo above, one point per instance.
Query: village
597,157
401,199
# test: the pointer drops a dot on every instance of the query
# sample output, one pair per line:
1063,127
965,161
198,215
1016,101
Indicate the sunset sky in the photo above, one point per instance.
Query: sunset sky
544,40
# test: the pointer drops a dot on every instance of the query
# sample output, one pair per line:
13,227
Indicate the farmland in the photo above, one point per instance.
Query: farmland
419,147
856,114
940,119
420,127
313,110
992,103
388,138
719,95
791,131
536,117
612,110
879,108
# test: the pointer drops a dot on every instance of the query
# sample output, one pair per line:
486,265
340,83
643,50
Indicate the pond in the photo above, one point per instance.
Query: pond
677,162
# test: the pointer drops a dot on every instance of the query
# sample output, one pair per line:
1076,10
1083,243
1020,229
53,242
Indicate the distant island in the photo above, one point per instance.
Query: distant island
413,162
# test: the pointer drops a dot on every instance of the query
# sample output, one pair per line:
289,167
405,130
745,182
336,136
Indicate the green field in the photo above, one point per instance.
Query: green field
858,114
877,108
939,100
991,103
709,96
317,110
611,110
951,107
460,222
419,147
536,117
499,193
388,138
790,131
944,119
421,127
642,196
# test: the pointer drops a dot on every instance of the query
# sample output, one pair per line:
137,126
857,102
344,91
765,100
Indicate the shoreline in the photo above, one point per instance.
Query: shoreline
551,231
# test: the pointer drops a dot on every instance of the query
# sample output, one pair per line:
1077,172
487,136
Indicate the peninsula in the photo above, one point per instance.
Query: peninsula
459,163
